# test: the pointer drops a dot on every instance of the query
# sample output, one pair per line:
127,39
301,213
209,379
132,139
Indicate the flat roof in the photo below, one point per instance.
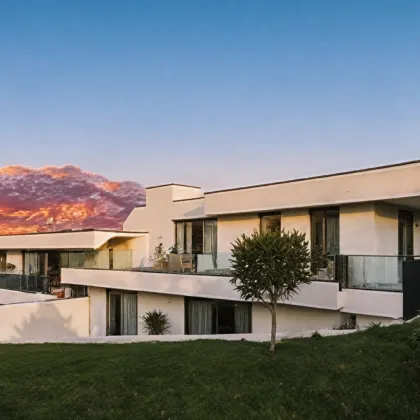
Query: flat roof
355,171
74,231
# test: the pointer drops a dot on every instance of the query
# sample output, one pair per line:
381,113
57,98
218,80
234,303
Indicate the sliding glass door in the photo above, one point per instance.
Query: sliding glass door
197,237
204,316
122,312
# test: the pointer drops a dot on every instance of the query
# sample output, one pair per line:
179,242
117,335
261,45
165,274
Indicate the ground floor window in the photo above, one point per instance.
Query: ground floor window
122,313
205,316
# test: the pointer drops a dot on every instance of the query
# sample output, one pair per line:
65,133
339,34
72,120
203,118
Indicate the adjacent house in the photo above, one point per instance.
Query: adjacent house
366,221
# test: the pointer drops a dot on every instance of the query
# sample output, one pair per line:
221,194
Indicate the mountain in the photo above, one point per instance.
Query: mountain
74,199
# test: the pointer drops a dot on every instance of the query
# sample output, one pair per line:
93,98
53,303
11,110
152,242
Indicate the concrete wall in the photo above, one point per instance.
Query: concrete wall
293,319
13,296
45,320
61,240
16,258
386,229
373,303
297,219
97,313
365,320
157,218
357,229
229,228
318,294
372,185
169,304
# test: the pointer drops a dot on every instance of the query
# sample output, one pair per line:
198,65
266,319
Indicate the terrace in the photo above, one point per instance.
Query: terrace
368,272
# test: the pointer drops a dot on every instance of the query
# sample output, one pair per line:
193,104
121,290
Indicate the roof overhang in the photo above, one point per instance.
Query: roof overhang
82,239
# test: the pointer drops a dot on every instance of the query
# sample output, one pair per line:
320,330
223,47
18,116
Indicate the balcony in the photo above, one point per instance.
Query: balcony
370,272
107,259
25,282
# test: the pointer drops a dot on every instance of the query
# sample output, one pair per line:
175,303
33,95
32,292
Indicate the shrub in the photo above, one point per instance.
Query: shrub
316,334
155,322
348,322
373,325
414,339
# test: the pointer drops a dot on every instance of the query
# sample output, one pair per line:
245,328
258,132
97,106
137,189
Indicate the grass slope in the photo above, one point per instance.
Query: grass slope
359,376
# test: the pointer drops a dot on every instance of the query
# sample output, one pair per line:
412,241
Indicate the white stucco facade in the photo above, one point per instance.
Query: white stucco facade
367,203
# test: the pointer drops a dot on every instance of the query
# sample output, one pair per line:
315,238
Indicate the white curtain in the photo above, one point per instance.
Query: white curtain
31,263
242,318
333,238
199,317
128,313
210,240
180,236
189,238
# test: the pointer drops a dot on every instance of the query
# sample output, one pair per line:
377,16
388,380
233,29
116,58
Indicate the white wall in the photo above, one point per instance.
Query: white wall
157,218
62,240
97,313
318,294
297,219
230,228
169,304
386,229
372,185
371,302
13,296
16,258
357,229
293,319
365,320
45,320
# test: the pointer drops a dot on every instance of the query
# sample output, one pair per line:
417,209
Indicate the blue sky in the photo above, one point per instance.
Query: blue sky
214,93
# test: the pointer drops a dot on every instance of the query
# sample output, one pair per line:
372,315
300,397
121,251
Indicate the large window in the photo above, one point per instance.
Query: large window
325,230
197,236
405,233
270,222
205,316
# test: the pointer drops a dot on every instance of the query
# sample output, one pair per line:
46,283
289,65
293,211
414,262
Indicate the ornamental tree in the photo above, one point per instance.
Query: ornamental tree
269,267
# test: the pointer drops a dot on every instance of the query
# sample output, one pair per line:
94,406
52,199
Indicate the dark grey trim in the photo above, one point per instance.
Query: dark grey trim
168,185
315,177
188,199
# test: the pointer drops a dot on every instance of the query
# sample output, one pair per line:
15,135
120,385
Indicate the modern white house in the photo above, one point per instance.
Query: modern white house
366,221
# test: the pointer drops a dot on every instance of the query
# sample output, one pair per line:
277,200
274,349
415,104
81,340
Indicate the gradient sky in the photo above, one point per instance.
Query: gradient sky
214,93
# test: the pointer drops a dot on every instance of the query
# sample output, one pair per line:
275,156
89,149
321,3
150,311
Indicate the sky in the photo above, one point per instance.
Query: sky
214,93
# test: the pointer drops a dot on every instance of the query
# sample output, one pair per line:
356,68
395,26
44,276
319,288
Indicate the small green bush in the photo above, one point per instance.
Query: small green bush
316,334
414,339
155,322
373,325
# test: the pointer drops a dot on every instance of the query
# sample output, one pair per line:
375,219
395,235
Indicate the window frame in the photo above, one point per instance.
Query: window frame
324,210
202,220
271,213
215,304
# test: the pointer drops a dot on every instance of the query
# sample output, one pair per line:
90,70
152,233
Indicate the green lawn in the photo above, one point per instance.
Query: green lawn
365,376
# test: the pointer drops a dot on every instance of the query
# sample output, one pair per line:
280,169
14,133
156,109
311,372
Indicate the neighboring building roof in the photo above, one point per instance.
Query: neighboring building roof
288,181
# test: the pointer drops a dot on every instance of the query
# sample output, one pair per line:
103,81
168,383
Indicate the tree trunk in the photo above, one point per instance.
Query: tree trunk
273,328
